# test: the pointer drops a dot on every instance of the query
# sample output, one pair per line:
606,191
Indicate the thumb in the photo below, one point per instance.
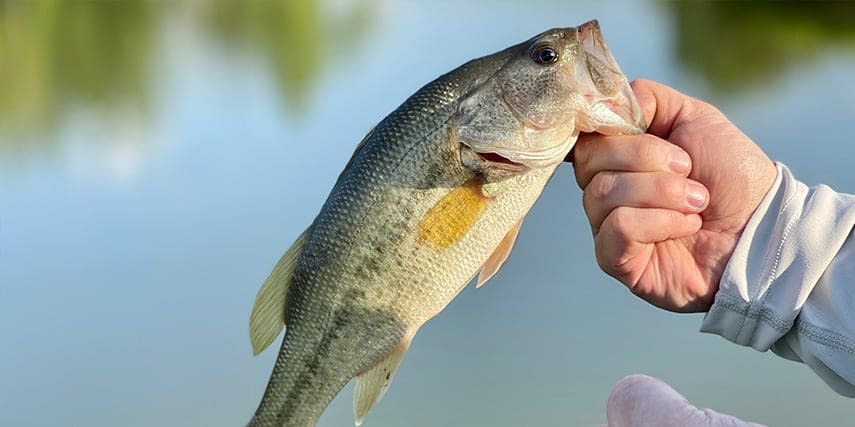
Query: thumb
662,105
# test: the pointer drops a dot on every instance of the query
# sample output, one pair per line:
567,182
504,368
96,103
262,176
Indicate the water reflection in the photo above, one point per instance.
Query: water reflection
55,53
296,37
102,54
736,45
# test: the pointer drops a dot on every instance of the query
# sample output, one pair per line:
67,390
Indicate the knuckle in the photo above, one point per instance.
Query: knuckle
613,246
581,152
601,187
613,260
606,259
699,108
702,106
602,259
581,169
622,223
647,151
582,176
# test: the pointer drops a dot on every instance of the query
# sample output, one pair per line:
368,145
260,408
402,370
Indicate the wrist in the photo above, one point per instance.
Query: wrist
779,258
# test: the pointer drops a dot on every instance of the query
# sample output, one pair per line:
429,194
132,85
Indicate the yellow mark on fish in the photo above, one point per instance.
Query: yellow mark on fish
449,219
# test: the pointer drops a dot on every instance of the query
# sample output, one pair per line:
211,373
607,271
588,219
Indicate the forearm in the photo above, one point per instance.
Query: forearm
790,283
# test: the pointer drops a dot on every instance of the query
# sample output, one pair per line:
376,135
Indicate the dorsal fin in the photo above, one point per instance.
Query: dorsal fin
356,151
268,313
371,384
499,256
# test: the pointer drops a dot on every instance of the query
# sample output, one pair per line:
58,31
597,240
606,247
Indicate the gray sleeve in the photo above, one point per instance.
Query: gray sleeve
790,284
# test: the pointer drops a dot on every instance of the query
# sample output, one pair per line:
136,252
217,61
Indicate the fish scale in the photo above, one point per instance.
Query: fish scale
413,217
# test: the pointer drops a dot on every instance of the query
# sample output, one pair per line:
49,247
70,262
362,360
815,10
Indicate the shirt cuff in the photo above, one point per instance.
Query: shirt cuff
786,246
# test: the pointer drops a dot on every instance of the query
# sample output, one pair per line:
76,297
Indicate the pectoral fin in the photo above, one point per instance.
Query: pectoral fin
268,313
447,221
494,263
371,384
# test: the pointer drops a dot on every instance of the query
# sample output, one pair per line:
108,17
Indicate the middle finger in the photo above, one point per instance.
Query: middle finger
664,190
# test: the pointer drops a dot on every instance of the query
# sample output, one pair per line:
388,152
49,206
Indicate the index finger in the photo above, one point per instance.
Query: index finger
627,153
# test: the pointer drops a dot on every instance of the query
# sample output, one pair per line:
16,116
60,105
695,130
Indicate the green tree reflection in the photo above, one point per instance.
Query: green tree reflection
735,45
58,54
295,36
55,52
289,33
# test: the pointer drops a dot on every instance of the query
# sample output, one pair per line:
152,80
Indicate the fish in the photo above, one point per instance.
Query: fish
433,196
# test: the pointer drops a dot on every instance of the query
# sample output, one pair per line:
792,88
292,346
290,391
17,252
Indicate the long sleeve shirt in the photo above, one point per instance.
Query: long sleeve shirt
790,284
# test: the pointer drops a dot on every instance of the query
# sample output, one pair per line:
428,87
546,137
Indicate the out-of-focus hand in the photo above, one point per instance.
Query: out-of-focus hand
642,401
667,207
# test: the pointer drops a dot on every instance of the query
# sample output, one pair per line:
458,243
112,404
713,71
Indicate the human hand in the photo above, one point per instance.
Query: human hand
642,401
668,207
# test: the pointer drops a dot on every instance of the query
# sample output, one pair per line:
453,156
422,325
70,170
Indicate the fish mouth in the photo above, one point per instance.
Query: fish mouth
623,114
514,159
489,159
498,158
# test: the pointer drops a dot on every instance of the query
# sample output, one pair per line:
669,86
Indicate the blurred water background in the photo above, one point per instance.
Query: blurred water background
156,159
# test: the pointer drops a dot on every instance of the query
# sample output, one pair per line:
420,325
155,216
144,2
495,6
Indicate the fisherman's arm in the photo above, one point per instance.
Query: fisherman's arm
790,284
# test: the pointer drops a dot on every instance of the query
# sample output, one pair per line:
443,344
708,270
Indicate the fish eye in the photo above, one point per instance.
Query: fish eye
544,54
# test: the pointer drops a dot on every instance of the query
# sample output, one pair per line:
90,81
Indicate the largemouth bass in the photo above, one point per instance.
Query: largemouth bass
432,196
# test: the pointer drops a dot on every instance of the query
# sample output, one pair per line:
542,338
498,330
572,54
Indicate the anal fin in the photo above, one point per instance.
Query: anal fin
499,256
268,313
371,384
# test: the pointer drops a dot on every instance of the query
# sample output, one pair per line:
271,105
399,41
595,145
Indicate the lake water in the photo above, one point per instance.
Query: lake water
157,158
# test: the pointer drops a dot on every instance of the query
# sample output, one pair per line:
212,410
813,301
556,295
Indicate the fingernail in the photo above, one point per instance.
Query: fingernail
696,194
679,161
